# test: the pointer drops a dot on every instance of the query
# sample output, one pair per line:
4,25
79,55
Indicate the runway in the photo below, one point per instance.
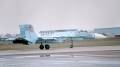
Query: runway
109,58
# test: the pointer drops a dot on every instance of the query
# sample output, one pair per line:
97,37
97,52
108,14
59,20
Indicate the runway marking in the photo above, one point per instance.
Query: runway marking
80,62
99,62
89,55
42,56
27,56
58,62
3,59
60,55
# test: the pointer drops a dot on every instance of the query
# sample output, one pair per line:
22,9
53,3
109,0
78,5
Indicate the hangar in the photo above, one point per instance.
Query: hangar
110,32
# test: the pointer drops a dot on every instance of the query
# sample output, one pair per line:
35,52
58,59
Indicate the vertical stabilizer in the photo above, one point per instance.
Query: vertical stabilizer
27,32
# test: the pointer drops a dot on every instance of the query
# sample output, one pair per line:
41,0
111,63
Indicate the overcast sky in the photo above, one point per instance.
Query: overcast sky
58,14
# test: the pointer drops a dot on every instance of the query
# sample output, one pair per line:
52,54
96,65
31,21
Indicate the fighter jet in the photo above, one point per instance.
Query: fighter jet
28,36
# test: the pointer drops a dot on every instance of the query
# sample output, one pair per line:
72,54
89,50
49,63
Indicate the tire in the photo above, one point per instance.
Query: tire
41,47
47,47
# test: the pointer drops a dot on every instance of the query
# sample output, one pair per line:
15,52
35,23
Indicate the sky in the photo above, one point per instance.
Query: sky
58,14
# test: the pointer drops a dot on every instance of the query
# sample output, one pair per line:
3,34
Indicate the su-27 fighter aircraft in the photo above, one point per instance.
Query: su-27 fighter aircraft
28,36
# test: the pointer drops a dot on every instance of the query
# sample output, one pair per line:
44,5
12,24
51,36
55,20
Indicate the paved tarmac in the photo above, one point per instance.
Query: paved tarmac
75,49
96,57
60,60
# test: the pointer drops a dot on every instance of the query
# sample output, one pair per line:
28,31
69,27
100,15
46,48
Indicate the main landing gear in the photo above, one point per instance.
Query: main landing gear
46,46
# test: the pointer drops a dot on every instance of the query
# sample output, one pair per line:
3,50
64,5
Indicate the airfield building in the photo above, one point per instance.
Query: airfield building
110,32
59,33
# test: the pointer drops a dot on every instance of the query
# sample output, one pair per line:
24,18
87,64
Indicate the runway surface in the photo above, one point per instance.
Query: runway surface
108,58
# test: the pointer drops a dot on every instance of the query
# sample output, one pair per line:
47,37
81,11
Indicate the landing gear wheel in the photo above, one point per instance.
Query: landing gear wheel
41,47
47,47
